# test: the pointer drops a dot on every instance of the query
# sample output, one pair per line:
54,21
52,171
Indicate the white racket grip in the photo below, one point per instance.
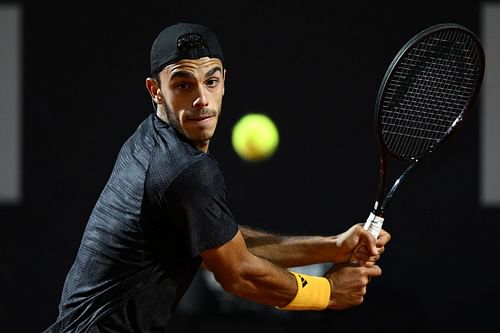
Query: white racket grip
373,224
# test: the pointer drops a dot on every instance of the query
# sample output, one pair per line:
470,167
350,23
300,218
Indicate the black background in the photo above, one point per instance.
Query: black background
314,67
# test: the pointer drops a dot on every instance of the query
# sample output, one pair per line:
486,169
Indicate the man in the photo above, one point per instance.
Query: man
163,213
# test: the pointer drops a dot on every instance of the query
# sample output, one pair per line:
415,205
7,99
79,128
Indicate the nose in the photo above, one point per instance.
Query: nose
201,101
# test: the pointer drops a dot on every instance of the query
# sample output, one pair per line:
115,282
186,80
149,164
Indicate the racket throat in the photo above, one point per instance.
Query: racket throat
375,220
395,186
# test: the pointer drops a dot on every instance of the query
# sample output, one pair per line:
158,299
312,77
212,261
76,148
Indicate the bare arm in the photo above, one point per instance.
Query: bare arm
243,274
290,251
246,275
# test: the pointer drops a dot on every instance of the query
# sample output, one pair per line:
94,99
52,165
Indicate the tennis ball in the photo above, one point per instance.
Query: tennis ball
255,137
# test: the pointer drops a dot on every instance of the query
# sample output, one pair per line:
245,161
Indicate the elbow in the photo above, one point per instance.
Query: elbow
237,279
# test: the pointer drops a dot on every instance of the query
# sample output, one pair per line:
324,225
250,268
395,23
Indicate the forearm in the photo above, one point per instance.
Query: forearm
263,282
289,251
267,283
254,278
243,274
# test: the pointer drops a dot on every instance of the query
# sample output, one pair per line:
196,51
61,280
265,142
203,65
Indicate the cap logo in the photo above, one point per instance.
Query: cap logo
192,46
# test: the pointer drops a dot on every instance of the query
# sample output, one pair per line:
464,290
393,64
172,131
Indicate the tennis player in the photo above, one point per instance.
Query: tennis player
163,213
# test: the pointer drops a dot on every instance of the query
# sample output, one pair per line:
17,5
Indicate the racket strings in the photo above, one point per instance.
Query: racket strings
437,90
428,91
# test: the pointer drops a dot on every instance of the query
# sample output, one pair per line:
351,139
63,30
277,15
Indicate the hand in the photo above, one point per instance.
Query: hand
348,284
358,244
364,256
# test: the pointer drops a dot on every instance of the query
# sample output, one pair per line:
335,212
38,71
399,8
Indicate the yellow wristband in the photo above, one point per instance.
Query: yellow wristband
313,293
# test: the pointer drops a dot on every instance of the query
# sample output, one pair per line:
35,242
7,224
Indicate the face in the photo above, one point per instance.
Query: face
190,97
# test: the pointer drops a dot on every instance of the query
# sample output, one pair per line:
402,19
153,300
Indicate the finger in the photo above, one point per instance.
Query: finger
368,263
383,238
368,249
374,270
361,256
368,242
373,258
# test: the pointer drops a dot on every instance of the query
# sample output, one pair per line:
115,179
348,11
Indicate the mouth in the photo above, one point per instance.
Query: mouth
201,117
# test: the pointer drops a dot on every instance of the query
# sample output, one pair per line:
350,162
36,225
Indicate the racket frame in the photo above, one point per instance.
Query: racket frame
375,220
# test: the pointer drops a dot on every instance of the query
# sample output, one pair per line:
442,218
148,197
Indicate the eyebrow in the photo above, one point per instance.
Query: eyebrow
214,70
186,74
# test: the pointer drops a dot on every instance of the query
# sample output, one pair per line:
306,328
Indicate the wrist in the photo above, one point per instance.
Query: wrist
313,293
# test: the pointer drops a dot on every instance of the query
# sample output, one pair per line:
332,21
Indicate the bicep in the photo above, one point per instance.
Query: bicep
227,259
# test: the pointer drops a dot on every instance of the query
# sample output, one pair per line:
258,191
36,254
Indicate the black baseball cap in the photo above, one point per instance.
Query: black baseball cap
183,41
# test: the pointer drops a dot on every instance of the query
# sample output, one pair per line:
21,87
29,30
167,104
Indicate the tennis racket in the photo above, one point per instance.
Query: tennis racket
425,95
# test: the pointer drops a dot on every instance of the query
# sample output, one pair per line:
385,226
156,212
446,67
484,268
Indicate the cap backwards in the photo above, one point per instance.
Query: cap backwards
183,41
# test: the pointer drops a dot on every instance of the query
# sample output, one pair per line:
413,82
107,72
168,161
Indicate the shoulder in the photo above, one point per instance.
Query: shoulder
176,164
203,174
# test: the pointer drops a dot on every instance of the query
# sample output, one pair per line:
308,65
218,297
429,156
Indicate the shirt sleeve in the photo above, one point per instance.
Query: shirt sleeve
197,203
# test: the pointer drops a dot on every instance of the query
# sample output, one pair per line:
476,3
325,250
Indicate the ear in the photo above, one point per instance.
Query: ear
154,90
224,87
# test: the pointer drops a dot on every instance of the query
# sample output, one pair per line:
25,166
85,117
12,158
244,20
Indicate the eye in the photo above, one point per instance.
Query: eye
212,82
182,85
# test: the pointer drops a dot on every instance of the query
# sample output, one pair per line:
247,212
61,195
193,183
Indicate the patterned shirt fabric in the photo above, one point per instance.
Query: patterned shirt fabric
164,204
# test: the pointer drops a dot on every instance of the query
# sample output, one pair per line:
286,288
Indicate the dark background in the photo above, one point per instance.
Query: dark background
314,67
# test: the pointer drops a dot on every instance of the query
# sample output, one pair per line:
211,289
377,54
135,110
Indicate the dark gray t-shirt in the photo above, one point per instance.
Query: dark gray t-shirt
163,204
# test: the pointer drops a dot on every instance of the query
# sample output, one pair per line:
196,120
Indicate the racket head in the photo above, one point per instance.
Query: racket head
428,90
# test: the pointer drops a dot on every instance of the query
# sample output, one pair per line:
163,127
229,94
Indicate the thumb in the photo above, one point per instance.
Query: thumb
370,242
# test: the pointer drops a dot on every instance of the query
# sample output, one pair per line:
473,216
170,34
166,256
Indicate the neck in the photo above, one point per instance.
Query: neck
203,146
162,116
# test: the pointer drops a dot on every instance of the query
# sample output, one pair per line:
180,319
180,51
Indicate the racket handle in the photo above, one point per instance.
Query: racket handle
373,224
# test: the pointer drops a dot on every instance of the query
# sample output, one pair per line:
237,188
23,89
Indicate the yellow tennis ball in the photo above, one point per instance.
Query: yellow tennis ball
255,137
